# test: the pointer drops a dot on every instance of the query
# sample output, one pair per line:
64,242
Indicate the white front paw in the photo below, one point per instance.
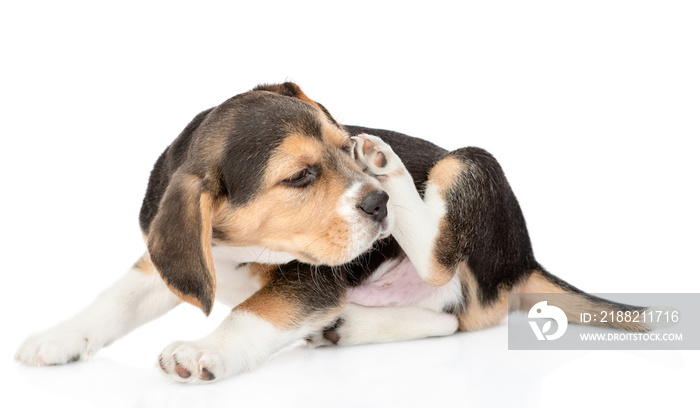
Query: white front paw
376,157
195,362
56,346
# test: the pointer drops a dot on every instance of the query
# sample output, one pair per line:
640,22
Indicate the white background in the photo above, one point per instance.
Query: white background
592,108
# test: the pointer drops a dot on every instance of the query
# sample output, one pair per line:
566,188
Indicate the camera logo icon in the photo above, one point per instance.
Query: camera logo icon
541,311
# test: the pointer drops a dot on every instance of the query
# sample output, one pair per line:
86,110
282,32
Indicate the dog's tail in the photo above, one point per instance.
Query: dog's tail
578,302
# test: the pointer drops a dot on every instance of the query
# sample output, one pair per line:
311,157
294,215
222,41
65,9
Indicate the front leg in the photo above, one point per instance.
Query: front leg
138,297
296,301
419,222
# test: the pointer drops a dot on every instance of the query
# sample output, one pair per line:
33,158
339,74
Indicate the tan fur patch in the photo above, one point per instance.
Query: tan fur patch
286,312
572,305
281,312
301,95
280,307
193,300
443,176
261,272
537,283
332,135
439,274
445,173
206,207
144,264
477,316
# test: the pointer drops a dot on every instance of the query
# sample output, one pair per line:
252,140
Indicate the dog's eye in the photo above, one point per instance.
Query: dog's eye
303,178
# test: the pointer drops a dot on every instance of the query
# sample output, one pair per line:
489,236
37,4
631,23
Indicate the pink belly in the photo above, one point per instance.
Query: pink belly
398,287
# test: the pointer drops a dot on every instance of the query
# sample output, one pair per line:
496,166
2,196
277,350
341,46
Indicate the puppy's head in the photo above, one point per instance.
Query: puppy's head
268,168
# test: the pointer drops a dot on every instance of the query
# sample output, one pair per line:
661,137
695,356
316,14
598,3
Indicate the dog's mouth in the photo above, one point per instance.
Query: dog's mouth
352,250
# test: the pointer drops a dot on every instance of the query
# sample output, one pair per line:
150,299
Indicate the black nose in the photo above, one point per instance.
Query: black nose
374,205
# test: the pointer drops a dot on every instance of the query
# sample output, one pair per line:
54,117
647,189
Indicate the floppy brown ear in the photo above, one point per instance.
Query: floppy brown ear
293,90
179,240
286,89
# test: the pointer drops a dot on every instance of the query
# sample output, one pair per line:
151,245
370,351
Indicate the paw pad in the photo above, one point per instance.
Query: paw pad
206,375
375,156
191,362
182,371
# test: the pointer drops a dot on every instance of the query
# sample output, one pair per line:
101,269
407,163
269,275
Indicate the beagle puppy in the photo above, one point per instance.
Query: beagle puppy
310,230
